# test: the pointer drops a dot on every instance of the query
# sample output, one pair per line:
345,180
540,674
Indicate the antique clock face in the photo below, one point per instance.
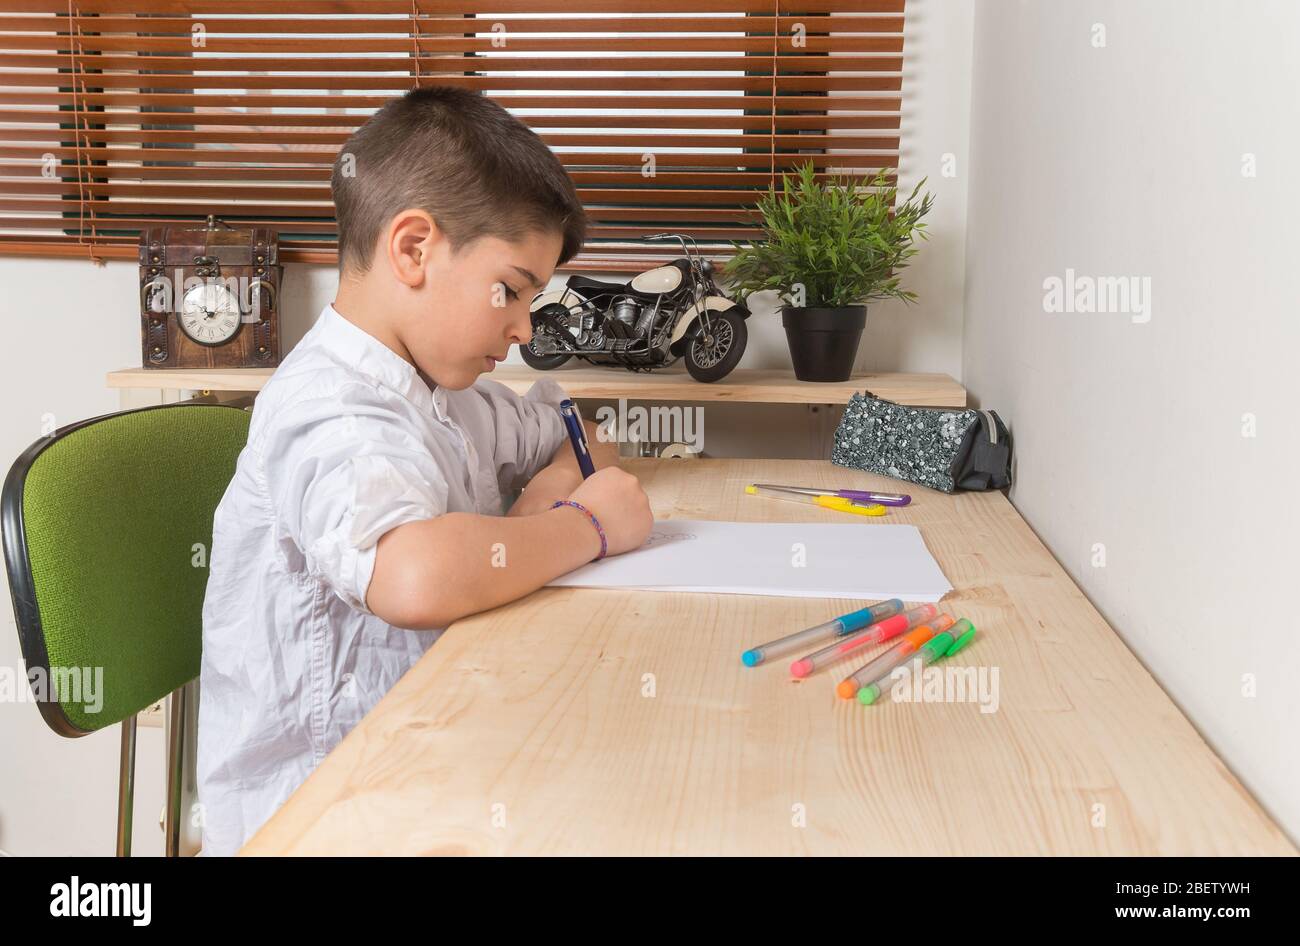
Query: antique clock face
209,313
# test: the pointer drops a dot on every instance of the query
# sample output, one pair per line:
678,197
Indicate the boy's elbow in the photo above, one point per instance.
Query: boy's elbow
401,612
407,603
405,594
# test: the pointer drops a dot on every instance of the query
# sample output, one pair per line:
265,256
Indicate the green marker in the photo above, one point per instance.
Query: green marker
939,646
964,632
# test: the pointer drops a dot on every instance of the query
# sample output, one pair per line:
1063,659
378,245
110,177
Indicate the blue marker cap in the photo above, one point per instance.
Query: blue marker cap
856,620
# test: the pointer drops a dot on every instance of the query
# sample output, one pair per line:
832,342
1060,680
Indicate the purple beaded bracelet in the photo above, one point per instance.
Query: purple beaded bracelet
604,546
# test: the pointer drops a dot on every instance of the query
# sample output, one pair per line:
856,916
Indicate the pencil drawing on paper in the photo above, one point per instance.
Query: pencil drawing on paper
659,538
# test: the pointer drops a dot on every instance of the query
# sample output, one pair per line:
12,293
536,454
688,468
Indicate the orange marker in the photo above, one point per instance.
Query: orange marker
911,642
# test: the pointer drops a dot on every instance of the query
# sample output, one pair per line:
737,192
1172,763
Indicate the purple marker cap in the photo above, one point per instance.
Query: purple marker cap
885,499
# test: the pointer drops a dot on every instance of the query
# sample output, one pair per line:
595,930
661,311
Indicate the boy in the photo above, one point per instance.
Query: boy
365,513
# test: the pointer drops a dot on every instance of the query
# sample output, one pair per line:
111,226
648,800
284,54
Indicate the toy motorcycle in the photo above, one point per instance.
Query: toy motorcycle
658,316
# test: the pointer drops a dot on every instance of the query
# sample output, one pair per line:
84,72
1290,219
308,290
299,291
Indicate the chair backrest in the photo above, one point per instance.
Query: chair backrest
107,532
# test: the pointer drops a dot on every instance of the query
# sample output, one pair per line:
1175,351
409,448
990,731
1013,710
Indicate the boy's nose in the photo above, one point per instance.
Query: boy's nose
522,330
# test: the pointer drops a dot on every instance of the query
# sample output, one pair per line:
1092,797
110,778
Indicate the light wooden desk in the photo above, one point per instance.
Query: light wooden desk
526,730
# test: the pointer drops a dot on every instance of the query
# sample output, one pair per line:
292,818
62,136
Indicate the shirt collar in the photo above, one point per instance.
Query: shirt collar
368,355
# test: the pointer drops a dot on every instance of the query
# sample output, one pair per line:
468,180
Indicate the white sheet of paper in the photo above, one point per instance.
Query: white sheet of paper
840,560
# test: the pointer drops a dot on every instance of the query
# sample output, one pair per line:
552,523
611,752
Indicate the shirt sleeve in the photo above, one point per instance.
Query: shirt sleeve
528,430
341,472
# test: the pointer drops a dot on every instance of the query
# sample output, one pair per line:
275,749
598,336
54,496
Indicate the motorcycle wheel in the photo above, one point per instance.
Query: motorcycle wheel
710,357
542,362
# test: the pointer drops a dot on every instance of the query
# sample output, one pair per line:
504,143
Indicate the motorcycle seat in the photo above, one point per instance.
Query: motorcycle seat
583,284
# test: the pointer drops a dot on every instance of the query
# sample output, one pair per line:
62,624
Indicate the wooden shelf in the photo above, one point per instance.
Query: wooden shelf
742,386
191,379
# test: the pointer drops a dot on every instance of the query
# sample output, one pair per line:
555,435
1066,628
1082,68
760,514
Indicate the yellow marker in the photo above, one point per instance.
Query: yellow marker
837,503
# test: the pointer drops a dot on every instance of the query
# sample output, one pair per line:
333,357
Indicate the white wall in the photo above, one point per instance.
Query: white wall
62,326
926,335
66,323
1127,160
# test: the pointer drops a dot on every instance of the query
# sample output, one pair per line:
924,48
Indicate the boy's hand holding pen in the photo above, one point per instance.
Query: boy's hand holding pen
563,475
427,577
612,499
620,506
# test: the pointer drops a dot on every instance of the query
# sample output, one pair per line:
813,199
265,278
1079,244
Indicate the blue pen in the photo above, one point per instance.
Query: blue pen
836,627
577,437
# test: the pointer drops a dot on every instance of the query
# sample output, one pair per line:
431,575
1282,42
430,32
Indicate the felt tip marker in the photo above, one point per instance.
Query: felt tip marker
938,647
881,631
837,503
884,664
837,627
861,495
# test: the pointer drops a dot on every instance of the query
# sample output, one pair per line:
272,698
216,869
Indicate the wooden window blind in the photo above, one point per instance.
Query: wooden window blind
670,115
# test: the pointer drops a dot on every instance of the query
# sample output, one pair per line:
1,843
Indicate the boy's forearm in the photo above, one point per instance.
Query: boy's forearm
552,483
561,476
431,573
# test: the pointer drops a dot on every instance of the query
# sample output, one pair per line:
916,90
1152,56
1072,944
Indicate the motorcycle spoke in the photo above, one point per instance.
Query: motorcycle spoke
708,356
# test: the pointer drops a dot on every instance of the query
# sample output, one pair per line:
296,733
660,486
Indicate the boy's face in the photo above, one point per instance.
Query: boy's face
474,304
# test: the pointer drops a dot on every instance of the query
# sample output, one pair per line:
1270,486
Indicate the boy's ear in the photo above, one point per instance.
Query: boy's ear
412,236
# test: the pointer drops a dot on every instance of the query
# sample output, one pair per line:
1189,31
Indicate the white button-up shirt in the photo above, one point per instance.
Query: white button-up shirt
346,442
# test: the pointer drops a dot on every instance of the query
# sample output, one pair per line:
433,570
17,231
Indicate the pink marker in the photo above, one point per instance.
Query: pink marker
880,631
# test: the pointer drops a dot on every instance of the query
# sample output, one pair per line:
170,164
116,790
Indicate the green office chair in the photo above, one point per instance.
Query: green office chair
107,528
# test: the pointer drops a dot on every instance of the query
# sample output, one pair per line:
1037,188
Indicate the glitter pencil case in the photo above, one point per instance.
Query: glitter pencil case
936,447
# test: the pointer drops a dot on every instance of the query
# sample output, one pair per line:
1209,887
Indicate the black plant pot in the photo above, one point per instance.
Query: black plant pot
823,342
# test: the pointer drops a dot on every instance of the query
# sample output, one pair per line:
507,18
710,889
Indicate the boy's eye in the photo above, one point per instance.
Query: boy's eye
509,293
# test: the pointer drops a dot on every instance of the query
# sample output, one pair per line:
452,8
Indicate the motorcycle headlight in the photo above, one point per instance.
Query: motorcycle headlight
707,267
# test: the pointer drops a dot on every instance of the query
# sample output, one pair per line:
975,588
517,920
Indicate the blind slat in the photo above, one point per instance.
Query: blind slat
579,83
404,8
265,120
679,103
153,48
426,24
308,157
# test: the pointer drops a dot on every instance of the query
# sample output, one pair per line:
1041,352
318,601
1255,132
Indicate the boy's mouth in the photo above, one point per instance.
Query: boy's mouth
491,361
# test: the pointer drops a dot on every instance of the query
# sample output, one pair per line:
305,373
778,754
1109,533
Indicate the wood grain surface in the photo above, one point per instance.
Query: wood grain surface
534,728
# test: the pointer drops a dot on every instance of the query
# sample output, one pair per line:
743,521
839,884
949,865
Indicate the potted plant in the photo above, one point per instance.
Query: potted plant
831,247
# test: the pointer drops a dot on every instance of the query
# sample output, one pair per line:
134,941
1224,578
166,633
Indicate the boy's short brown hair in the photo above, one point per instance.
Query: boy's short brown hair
474,167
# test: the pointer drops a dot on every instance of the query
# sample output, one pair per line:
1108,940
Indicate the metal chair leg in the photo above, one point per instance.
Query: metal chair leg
126,788
176,725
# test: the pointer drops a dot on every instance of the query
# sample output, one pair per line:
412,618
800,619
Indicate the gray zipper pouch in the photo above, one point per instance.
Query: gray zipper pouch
937,447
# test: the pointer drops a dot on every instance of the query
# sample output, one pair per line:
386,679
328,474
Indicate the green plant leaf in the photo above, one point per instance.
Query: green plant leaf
843,239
